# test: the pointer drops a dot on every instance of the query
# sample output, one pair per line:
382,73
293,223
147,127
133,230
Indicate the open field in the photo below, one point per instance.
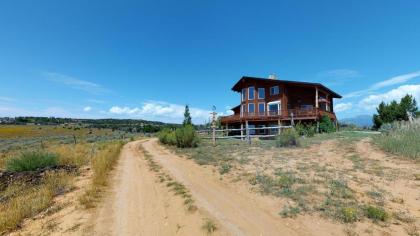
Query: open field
42,165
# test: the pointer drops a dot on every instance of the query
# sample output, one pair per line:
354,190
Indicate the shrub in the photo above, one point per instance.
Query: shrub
167,136
209,226
376,213
349,214
288,138
289,211
326,125
30,161
186,137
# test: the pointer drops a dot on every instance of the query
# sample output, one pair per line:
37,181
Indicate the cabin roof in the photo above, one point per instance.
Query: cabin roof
238,86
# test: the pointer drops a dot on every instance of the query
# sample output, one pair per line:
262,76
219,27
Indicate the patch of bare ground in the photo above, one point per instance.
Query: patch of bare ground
334,187
64,216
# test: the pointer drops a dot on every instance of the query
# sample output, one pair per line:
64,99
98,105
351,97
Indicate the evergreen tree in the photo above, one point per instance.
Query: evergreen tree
187,117
394,111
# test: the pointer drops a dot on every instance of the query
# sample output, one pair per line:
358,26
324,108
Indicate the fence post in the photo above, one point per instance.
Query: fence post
214,136
279,124
248,136
74,139
242,131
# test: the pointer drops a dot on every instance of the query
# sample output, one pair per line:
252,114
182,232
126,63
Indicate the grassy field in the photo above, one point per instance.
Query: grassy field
402,139
44,161
340,177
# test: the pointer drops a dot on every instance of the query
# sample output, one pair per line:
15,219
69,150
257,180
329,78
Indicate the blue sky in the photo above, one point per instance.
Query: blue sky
147,59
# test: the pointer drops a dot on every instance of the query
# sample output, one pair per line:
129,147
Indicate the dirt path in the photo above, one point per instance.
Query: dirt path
238,211
138,205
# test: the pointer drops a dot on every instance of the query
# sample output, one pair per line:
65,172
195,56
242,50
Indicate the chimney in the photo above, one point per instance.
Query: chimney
272,76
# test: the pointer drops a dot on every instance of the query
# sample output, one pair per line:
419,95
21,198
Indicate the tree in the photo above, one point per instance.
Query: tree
326,125
394,111
187,116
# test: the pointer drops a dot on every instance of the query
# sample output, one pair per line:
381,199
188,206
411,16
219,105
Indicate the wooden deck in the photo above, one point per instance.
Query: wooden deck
284,115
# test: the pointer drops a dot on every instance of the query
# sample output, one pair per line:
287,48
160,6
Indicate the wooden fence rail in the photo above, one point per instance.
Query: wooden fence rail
245,133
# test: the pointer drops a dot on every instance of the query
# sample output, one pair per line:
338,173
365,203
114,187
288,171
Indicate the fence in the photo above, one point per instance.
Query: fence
245,133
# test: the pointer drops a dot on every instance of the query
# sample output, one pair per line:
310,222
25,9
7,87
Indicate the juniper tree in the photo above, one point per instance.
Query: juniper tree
187,116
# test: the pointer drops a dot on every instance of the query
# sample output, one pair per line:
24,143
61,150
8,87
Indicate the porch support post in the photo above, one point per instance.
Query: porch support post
316,97
242,131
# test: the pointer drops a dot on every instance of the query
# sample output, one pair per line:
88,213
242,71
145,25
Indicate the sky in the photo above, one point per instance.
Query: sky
148,59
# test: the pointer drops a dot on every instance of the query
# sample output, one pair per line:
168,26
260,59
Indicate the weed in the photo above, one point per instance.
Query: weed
376,213
289,211
209,226
225,168
288,138
349,214
30,161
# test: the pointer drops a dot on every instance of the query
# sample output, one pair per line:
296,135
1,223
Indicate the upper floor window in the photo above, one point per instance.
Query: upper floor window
251,93
274,90
261,93
243,94
251,108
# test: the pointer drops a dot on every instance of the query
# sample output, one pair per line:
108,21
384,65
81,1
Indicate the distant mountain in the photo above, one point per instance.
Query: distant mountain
361,120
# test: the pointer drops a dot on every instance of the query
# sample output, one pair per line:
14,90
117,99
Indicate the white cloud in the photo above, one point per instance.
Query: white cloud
162,111
400,79
396,80
75,83
372,101
87,109
340,74
340,107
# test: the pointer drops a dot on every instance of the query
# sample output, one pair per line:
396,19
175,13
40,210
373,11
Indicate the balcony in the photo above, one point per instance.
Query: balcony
296,114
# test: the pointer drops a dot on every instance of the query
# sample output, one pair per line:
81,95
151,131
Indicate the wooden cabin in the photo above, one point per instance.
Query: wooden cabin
267,102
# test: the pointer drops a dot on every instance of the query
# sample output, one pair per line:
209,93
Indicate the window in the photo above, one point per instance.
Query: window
261,108
251,108
261,93
274,90
243,94
251,93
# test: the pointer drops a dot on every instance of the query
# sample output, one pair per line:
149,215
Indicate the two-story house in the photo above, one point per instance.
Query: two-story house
266,102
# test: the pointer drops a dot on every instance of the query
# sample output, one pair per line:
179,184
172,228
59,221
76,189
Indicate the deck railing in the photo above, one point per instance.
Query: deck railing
273,115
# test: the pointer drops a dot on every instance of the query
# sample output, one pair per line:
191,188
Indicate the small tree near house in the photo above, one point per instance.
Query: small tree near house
187,117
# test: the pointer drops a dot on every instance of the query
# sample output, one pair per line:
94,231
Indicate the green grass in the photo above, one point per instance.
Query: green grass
30,161
401,139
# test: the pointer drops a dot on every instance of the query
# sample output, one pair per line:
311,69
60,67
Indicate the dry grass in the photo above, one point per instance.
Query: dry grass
26,201
103,162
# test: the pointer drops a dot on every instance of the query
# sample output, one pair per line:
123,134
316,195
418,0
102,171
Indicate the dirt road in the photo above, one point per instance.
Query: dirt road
138,205
238,212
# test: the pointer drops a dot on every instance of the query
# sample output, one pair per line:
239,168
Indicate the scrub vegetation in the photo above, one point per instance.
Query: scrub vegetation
38,163
340,176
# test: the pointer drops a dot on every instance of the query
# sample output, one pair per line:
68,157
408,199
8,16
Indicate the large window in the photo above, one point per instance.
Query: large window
243,94
251,108
251,93
261,108
261,93
274,90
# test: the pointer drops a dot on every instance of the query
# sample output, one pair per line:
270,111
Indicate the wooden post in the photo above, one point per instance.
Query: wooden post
227,131
213,126
214,136
242,131
292,122
317,126
279,124
316,98
248,136
74,139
